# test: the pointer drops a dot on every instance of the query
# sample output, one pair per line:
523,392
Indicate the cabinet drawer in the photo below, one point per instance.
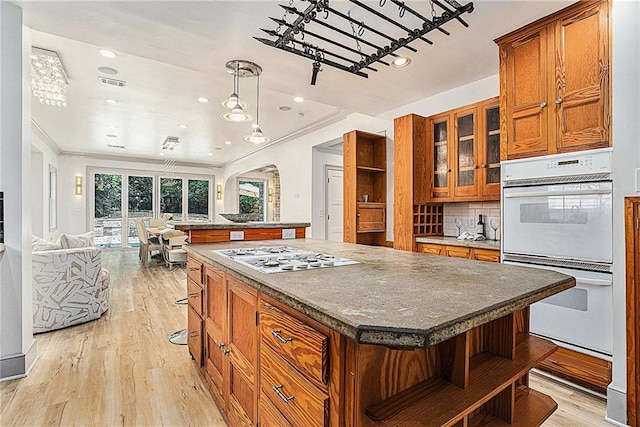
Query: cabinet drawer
269,416
194,296
302,403
457,252
298,343
486,255
429,248
194,335
194,270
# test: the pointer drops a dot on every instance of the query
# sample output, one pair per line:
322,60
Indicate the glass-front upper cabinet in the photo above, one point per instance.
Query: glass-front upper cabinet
490,149
466,153
441,169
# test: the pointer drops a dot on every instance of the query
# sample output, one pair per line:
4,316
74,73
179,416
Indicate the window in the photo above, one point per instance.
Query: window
251,199
198,200
171,197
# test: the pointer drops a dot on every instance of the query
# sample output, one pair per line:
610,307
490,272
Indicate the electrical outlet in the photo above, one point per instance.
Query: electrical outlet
236,235
288,233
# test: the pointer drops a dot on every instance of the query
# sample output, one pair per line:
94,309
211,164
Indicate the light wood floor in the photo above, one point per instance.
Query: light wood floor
121,369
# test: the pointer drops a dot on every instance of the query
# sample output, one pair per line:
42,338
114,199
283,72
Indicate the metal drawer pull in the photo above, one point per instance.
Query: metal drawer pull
277,388
283,340
193,268
193,334
193,295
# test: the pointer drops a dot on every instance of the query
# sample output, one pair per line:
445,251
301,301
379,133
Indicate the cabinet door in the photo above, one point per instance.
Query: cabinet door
488,255
440,128
215,325
242,303
524,86
466,153
430,248
371,217
582,79
489,145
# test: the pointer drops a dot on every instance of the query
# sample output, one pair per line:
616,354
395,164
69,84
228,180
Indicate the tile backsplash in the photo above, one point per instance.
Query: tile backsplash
468,212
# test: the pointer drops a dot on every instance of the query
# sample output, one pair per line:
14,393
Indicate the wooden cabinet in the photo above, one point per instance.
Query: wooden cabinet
365,165
195,341
215,331
555,83
465,150
489,149
489,255
579,368
440,128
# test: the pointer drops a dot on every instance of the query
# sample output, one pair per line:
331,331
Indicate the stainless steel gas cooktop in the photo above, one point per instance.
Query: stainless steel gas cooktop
277,259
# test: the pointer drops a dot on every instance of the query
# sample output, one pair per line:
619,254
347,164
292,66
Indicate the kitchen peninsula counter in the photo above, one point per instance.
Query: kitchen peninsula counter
208,232
391,297
400,338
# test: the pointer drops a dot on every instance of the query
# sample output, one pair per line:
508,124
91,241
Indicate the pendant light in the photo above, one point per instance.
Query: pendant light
257,136
238,68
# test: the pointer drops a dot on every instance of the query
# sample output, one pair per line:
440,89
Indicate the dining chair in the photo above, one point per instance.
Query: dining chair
147,246
157,223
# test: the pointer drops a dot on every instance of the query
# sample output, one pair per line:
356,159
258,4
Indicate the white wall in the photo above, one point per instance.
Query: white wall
626,158
294,162
445,101
40,163
17,349
73,214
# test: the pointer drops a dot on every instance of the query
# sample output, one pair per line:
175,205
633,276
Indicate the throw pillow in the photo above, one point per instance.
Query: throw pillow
69,241
39,244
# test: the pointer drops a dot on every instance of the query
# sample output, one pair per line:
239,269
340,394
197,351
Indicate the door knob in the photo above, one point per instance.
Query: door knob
220,344
484,166
558,101
543,104
226,352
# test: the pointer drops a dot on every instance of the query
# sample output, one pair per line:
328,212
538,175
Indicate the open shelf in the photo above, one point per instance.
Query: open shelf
436,401
532,408
370,169
428,219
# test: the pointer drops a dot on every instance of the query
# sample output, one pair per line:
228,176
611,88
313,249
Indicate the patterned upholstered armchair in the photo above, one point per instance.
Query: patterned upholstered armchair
69,287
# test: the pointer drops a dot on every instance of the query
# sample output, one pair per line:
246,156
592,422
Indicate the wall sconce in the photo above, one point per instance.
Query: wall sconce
219,192
270,195
78,186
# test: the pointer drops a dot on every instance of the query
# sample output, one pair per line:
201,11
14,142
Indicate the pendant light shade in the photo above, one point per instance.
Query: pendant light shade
239,68
257,136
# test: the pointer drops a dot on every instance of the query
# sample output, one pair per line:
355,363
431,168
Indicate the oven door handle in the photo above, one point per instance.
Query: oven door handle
556,193
593,282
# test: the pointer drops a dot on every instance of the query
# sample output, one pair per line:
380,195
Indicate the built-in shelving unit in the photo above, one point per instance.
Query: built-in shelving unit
365,188
428,219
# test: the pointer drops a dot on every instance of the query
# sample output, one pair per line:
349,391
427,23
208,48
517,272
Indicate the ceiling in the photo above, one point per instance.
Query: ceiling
172,52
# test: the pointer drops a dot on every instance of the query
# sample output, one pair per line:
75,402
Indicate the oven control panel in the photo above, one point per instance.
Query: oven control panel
579,163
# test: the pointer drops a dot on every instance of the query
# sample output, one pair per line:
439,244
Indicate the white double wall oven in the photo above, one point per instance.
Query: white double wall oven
557,215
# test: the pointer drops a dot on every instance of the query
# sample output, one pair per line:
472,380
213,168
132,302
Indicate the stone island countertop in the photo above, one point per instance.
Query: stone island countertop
186,226
394,298
453,241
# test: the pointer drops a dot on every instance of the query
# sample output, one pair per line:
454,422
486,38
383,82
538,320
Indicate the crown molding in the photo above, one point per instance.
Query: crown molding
44,136
135,159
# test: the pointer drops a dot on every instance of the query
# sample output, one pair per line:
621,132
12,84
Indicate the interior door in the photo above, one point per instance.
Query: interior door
335,205
107,209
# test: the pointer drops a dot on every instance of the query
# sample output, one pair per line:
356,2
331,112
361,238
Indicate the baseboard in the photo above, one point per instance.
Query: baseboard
616,406
18,365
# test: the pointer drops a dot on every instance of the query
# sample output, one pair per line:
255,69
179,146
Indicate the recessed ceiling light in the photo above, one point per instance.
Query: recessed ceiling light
227,142
203,99
111,101
183,126
211,154
107,53
400,62
110,135
298,99
108,70
284,108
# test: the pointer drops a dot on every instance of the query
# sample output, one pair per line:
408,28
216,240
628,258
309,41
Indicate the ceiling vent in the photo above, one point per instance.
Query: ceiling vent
115,146
112,82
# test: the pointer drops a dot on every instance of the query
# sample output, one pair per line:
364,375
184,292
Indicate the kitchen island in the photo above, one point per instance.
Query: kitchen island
211,232
397,339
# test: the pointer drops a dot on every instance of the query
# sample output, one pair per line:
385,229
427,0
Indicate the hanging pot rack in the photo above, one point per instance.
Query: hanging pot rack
289,36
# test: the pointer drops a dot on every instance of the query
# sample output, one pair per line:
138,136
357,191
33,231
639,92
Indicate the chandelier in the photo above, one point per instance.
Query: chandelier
169,169
48,78
315,32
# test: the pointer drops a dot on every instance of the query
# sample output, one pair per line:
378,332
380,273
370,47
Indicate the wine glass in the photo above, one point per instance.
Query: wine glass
495,225
459,225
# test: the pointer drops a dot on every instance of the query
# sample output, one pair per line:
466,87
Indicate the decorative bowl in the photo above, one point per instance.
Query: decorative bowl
241,217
